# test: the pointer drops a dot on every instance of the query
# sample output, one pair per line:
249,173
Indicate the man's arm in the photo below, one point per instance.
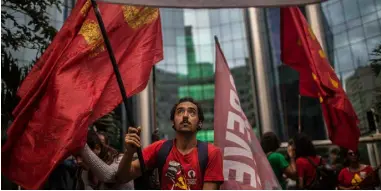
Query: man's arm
128,169
211,186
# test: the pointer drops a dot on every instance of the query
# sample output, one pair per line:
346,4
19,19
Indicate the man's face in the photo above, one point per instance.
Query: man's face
186,117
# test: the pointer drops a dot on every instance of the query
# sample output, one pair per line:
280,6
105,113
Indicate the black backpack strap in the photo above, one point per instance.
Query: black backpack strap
202,150
162,156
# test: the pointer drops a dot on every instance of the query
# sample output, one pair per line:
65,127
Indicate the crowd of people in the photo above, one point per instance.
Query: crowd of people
303,168
186,163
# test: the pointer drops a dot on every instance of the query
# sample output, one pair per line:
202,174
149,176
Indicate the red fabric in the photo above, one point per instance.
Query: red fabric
302,52
306,170
187,177
245,164
348,179
73,84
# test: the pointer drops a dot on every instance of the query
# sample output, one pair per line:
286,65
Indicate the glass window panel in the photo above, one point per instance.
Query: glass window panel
378,5
189,17
360,53
202,18
170,54
366,6
226,33
354,23
373,42
181,55
345,59
236,15
340,40
182,69
214,16
370,17
351,10
239,49
237,30
336,13
224,16
356,34
204,36
169,37
227,48
206,54
339,28
372,29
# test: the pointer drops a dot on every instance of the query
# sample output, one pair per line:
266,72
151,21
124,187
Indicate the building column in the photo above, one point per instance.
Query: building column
144,109
260,60
314,17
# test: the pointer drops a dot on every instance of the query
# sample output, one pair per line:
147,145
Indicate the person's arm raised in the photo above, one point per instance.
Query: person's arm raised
129,170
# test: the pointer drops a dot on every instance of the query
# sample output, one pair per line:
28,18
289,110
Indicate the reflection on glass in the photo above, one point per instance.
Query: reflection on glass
188,65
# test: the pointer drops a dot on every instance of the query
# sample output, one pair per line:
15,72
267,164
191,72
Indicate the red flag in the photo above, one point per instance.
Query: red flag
302,51
245,164
73,84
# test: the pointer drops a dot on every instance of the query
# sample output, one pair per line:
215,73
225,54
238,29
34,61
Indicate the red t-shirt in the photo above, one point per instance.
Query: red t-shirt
182,172
306,170
347,178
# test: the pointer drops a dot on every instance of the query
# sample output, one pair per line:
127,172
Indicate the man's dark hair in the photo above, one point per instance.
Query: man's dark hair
304,146
269,142
187,99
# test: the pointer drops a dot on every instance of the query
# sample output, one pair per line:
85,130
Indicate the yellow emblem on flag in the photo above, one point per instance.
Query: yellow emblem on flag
299,42
92,34
322,54
86,8
311,33
314,76
320,98
334,83
136,18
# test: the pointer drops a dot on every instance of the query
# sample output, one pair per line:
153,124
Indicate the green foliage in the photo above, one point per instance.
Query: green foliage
24,25
110,124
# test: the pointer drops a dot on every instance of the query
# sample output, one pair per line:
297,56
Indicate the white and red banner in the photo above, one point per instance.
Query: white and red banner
245,164
214,3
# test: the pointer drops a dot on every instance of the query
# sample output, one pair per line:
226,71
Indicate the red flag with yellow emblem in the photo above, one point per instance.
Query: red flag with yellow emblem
302,52
73,84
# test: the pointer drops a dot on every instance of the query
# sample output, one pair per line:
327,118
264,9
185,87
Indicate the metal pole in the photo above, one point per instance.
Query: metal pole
130,120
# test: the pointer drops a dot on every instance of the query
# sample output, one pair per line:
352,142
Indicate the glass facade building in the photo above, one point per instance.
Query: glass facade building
351,31
188,65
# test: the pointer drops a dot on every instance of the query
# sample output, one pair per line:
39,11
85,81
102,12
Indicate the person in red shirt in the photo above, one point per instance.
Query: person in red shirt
181,169
356,176
305,154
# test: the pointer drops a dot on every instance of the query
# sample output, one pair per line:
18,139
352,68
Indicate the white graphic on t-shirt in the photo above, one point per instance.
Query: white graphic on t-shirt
192,180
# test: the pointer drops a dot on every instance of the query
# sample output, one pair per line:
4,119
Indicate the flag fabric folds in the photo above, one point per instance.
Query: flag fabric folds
302,52
245,164
73,84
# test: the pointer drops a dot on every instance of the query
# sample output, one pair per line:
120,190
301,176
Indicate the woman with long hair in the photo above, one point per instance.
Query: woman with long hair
355,175
306,160
100,163
270,144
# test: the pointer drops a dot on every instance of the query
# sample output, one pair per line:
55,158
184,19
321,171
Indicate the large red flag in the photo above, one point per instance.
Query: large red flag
245,164
302,51
73,84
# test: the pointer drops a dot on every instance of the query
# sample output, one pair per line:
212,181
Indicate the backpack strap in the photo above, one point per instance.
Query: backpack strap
202,150
313,164
162,156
